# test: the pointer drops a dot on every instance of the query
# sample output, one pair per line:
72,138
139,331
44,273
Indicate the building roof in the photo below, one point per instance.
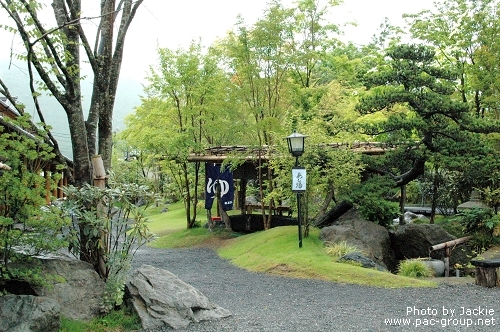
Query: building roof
221,153
7,109
218,154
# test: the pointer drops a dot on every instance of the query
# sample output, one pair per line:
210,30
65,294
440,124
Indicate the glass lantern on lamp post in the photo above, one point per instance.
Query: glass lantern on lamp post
296,148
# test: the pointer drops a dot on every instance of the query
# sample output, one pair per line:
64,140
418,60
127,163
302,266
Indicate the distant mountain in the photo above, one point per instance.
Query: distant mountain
17,79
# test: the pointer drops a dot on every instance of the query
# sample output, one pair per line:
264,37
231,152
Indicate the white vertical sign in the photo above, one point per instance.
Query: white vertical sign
298,179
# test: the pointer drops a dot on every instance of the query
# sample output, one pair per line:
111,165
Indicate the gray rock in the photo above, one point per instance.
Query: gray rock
161,299
358,257
371,239
414,241
77,287
27,313
409,217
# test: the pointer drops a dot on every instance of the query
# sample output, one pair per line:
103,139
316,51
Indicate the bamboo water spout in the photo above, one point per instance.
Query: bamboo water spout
447,246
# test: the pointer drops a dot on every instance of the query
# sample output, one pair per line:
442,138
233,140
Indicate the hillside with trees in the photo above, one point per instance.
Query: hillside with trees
431,101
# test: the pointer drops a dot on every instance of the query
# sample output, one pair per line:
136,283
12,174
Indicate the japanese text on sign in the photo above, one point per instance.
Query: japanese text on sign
299,179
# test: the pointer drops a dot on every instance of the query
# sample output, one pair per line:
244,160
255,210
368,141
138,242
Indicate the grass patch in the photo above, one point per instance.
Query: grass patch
276,251
414,268
195,237
116,321
450,224
171,232
161,223
339,249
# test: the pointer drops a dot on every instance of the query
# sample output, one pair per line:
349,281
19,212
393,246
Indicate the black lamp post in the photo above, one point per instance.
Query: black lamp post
296,148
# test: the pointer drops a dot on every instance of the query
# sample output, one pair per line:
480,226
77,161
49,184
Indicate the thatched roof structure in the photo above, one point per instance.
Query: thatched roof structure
218,154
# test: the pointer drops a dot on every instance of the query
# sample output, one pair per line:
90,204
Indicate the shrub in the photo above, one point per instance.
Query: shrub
108,227
27,226
484,227
339,249
414,268
370,199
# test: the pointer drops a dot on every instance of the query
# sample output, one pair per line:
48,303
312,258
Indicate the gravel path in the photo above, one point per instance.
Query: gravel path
261,302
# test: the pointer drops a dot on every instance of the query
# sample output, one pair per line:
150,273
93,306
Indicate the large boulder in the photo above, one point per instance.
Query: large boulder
161,299
27,313
372,239
75,285
414,241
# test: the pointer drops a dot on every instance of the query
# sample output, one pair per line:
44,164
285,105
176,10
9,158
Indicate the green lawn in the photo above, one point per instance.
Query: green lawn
162,223
273,251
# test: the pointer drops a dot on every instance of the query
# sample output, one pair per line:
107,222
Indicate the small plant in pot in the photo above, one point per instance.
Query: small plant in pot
464,270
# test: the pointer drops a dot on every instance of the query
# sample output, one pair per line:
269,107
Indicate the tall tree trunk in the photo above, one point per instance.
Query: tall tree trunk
222,213
402,202
326,203
195,195
81,162
435,184
187,197
56,58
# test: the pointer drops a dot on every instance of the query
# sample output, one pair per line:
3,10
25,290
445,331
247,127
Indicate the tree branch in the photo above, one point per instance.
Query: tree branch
5,92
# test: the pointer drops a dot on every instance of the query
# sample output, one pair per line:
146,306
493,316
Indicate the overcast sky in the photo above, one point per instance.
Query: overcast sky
174,24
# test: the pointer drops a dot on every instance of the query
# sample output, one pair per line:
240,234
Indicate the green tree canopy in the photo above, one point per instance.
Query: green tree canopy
464,32
423,117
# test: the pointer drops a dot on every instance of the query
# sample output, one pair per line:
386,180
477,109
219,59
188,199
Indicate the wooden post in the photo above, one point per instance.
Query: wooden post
486,272
486,276
46,175
243,194
99,174
65,183
447,261
53,171
60,188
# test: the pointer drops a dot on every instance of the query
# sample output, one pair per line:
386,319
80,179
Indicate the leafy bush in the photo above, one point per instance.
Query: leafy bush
484,227
370,198
27,226
108,227
450,224
339,249
491,196
414,268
